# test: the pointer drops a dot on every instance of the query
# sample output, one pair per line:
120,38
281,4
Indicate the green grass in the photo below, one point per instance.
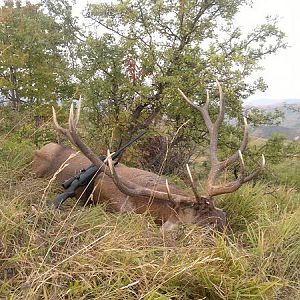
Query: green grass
88,253
288,173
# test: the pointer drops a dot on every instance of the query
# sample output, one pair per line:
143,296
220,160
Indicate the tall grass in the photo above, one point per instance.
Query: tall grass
88,253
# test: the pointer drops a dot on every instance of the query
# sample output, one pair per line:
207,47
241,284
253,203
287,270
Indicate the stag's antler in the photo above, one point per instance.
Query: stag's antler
218,166
127,187
73,137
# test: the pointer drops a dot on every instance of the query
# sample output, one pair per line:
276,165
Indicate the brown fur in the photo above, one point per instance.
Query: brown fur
50,158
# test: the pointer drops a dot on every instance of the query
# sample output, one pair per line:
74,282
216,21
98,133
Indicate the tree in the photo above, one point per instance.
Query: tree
33,62
173,44
129,73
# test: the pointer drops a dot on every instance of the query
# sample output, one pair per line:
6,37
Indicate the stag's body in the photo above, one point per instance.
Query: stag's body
128,189
51,157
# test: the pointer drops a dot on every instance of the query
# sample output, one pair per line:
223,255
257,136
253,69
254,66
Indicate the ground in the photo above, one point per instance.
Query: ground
88,253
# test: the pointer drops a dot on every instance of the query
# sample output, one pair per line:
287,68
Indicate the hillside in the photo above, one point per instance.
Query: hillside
290,126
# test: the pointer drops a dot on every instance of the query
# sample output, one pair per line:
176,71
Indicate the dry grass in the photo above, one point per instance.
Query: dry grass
88,253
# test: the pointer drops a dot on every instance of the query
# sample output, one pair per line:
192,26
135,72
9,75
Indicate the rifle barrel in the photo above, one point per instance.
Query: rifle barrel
118,152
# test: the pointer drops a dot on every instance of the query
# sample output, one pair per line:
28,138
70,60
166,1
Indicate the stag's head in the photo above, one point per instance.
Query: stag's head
198,208
207,212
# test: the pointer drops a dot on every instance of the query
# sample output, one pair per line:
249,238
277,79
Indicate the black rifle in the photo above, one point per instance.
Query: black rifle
85,176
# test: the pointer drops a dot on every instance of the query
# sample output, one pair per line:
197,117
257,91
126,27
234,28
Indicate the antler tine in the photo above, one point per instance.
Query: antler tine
169,192
246,136
72,135
78,110
214,136
71,118
203,110
197,196
74,118
207,98
77,140
255,173
126,189
224,164
242,163
60,129
73,125
234,185
221,114
131,189
263,164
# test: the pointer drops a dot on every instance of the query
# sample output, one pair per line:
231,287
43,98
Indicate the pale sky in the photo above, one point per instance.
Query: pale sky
281,71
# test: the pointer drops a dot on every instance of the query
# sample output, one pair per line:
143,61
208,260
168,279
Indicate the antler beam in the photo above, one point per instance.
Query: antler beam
131,189
218,166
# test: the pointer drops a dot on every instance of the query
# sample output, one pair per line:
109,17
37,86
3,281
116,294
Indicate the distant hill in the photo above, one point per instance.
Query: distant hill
270,102
266,132
290,126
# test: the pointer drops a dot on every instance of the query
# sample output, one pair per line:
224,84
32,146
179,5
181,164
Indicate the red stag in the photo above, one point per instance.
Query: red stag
125,189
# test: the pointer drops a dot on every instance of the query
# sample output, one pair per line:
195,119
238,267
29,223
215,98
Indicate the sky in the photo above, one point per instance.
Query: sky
281,70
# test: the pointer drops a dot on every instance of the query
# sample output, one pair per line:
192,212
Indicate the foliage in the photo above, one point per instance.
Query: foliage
130,73
292,107
20,127
34,68
275,148
278,148
258,117
287,172
106,87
